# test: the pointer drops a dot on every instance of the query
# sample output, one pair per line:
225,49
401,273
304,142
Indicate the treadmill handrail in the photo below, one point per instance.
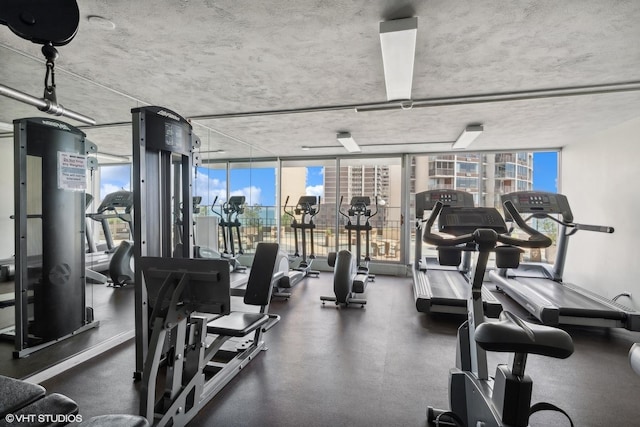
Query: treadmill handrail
597,228
536,239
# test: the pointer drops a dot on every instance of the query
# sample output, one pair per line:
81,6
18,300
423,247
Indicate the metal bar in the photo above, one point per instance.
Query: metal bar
44,105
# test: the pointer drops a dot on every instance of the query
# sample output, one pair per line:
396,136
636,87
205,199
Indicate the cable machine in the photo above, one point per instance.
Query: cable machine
50,179
163,144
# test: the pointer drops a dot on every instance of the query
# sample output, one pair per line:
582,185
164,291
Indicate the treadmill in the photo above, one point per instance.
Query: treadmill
442,289
116,205
539,288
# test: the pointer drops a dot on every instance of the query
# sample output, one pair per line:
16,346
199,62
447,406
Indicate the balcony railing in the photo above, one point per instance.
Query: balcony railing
261,227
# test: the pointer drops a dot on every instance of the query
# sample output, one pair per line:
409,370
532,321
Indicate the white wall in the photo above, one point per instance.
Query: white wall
601,178
7,247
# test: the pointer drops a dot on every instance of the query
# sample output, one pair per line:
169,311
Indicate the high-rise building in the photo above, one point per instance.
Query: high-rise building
361,180
486,176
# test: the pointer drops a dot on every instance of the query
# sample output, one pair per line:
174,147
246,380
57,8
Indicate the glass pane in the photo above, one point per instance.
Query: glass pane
309,178
487,177
113,178
381,180
256,182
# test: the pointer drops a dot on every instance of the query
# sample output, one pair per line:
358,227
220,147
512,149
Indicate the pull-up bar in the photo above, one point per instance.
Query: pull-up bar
44,105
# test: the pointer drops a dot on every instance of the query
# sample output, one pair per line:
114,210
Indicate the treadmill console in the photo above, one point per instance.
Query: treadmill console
539,202
117,199
426,200
461,220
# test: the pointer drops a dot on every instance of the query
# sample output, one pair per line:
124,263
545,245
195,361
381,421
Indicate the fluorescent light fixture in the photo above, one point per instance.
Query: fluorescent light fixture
6,127
305,148
467,137
398,42
348,142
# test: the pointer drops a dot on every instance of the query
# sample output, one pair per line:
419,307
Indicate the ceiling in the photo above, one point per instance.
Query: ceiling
262,79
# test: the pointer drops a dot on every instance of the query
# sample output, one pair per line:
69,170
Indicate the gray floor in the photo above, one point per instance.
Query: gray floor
378,366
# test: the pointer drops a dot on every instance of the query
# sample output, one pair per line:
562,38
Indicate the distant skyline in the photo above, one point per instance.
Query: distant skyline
258,185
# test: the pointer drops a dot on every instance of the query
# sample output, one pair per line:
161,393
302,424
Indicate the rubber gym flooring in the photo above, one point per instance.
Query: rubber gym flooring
377,366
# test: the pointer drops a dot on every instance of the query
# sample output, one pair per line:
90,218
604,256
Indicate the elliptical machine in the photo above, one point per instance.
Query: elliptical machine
350,275
198,251
476,399
307,206
230,210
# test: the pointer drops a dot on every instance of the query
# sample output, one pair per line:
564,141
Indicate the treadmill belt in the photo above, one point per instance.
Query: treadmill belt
449,285
568,301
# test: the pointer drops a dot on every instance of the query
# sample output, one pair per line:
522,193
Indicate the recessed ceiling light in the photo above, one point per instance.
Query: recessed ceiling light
468,135
348,142
305,148
101,22
398,43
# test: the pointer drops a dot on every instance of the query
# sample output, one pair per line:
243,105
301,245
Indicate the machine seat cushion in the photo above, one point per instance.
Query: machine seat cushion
514,335
52,404
360,283
237,324
17,394
116,421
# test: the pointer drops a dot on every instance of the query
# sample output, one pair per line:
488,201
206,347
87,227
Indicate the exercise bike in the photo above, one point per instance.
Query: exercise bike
307,206
476,399
230,210
350,275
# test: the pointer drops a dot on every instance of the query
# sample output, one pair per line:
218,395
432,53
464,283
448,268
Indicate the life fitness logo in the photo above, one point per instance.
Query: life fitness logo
60,274
48,419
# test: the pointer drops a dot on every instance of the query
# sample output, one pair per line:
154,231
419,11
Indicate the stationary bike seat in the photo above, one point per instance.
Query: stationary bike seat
514,335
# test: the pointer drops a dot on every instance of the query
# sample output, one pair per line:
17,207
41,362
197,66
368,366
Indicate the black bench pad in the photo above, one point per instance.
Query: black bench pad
15,394
52,404
237,324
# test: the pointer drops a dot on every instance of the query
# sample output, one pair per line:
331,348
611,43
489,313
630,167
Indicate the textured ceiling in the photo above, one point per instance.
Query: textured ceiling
262,79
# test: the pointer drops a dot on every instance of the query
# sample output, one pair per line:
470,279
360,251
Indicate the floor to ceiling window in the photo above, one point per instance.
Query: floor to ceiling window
487,176
308,178
380,179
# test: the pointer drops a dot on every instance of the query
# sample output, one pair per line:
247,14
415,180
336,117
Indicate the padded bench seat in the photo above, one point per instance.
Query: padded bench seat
237,324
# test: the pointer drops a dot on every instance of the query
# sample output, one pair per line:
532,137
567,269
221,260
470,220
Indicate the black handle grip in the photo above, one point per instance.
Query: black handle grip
598,228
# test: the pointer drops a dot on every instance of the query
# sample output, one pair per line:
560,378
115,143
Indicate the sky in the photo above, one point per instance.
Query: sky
545,171
258,184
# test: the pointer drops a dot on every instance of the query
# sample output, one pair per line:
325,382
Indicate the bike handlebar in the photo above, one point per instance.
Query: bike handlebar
536,239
